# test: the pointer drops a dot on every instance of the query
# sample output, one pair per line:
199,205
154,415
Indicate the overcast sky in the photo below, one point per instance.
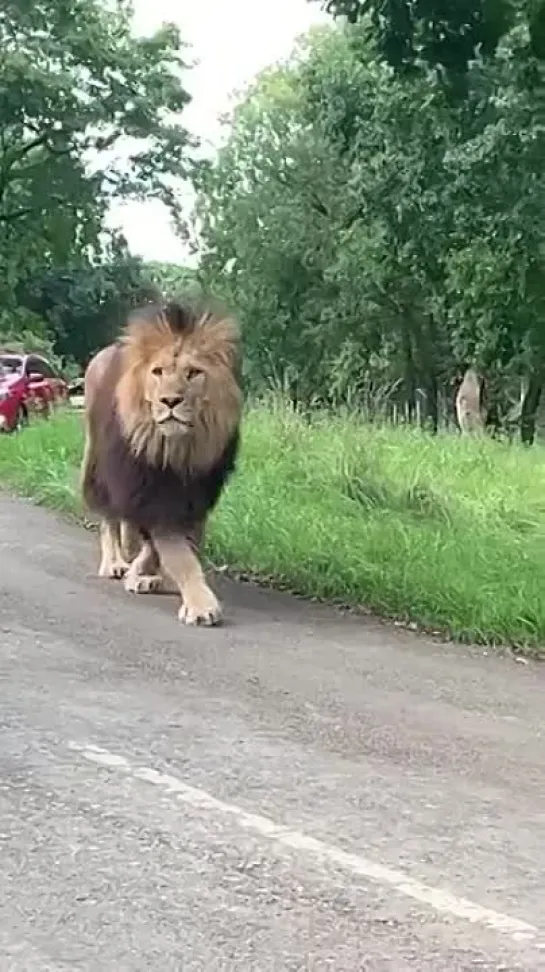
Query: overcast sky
231,41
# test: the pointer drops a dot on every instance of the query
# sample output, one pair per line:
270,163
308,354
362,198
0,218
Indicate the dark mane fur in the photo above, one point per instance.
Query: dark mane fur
181,314
122,486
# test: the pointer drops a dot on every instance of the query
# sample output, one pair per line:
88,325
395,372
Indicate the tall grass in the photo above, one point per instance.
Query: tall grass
443,531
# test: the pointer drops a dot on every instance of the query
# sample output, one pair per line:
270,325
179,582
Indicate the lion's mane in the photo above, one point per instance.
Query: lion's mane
130,471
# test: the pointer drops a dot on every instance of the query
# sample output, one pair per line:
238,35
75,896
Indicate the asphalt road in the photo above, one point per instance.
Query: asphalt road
293,791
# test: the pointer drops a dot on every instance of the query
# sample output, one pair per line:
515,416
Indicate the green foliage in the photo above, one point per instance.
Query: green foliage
24,332
171,278
84,306
89,112
73,82
440,34
378,235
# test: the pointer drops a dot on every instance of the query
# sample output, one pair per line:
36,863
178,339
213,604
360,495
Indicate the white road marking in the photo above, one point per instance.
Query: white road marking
438,899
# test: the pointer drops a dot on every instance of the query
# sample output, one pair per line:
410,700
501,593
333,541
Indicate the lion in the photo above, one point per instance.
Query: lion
163,409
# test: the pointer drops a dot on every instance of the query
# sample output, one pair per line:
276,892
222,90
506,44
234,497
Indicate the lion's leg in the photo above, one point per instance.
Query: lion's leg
144,574
180,560
112,563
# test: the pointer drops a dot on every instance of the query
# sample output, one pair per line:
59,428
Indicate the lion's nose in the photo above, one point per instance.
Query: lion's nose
171,401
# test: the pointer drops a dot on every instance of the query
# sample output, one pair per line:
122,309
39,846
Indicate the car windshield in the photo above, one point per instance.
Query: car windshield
10,365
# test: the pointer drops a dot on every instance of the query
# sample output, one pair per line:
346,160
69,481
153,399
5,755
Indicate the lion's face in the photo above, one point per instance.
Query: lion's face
178,395
173,388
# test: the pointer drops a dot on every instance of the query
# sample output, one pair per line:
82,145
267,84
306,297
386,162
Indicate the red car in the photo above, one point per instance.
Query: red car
28,384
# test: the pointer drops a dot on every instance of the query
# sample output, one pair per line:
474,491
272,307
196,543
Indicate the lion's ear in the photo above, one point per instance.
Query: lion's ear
231,330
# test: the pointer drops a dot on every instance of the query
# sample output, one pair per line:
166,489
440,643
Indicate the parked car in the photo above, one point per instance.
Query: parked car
28,385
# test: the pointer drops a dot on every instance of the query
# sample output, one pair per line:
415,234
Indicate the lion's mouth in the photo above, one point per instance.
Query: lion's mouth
171,421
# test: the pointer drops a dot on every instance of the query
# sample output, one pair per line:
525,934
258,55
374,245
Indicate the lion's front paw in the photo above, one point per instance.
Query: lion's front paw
200,607
143,583
112,568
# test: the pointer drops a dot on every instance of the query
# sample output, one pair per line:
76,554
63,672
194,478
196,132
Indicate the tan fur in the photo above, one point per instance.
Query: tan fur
195,373
468,404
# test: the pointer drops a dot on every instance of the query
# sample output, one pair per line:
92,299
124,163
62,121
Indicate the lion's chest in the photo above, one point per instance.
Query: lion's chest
155,498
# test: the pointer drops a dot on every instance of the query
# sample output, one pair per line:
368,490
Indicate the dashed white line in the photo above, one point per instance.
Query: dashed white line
440,900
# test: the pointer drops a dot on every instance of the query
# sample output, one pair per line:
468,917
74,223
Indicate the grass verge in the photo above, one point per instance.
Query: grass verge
447,533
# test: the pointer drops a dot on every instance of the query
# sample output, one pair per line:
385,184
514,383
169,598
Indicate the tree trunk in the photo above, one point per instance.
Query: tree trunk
530,406
490,400
409,373
432,403
425,336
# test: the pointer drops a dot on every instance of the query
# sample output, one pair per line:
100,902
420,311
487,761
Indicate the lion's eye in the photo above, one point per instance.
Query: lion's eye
193,373
158,371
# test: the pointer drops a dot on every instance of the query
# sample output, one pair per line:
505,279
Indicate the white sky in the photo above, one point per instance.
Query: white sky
231,41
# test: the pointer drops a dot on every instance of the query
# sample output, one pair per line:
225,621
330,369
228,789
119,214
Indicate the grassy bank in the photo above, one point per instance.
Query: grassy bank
445,532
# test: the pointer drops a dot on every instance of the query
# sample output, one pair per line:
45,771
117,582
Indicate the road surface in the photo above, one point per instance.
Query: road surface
294,791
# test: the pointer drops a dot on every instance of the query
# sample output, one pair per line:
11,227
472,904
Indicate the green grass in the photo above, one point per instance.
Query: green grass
448,533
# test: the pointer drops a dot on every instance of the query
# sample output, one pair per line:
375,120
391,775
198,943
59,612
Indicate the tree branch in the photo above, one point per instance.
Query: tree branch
11,216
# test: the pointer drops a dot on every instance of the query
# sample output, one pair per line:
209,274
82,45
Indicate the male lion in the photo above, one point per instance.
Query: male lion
163,409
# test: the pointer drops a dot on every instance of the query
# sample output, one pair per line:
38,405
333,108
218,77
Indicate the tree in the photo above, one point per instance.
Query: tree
76,88
447,36
84,307
313,220
379,234
266,235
